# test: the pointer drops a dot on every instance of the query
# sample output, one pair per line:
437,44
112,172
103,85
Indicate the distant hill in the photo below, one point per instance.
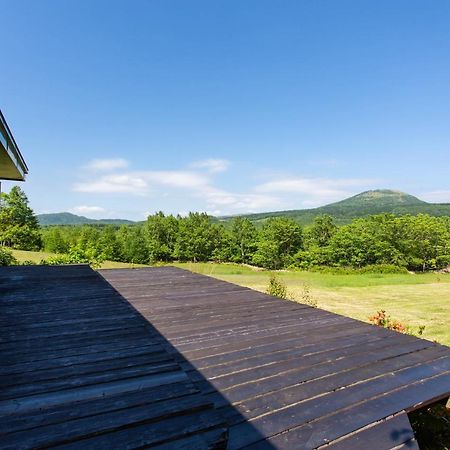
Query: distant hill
361,205
66,218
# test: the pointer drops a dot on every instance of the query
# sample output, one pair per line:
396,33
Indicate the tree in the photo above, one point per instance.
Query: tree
279,240
243,235
365,241
19,227
161,234
425,241
322,230
133,246
197,238
54,241
108,244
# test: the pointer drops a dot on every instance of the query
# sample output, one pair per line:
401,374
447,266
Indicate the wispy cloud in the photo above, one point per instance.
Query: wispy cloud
196,182
125,183
315,191
211,165
223,202
104,165
442,196
87,210
142,182
197,185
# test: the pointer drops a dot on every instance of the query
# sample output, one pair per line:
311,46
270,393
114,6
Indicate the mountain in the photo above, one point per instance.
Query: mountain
66,218
364,204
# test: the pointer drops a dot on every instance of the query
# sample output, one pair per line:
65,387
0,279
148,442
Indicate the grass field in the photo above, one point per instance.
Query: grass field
421,299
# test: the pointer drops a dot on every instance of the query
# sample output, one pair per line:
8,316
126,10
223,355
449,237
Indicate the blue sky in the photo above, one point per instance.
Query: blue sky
125,108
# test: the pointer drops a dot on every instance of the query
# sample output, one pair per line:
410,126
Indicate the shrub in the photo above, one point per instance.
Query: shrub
6,258
277,288
383,268
28,262
382,319
307,297
372,268
76,255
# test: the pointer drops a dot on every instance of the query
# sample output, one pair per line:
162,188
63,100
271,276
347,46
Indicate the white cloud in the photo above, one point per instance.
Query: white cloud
231,203
212,165
195,185
175,178
312,192
143,182
436,196
105,165
125,183
85,209
310,185
304,192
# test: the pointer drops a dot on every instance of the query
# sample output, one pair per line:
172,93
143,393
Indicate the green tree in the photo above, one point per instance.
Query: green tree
133,246
365,241
197,238
243,238
161,234
108,244
19,227
321,231
279,240
53,240
425,241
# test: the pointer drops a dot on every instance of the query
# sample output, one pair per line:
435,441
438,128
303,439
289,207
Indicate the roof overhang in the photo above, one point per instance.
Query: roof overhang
12,164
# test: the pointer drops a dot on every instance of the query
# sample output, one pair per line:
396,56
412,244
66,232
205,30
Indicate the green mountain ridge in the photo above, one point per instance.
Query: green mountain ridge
366,203
66,218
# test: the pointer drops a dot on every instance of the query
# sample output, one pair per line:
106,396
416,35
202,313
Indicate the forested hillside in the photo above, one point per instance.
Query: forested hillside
420,242
66,218
361,205
407,242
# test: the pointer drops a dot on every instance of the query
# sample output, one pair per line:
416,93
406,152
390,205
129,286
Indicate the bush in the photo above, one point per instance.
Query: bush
75,256
383,268
307,297
6,258
382,319
372,268
277,288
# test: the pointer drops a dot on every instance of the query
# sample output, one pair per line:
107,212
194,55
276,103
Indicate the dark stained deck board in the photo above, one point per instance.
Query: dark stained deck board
286,375
80,367
396,431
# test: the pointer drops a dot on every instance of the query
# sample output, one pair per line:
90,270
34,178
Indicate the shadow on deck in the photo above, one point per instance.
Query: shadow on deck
81,368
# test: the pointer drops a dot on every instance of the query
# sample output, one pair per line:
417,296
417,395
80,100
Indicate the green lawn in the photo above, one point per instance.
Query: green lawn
421,299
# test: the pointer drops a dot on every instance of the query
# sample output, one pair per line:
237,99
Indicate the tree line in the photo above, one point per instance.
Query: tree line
419,242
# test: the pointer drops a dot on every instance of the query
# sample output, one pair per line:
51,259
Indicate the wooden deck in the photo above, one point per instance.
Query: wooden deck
286,375
167,359
81,369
